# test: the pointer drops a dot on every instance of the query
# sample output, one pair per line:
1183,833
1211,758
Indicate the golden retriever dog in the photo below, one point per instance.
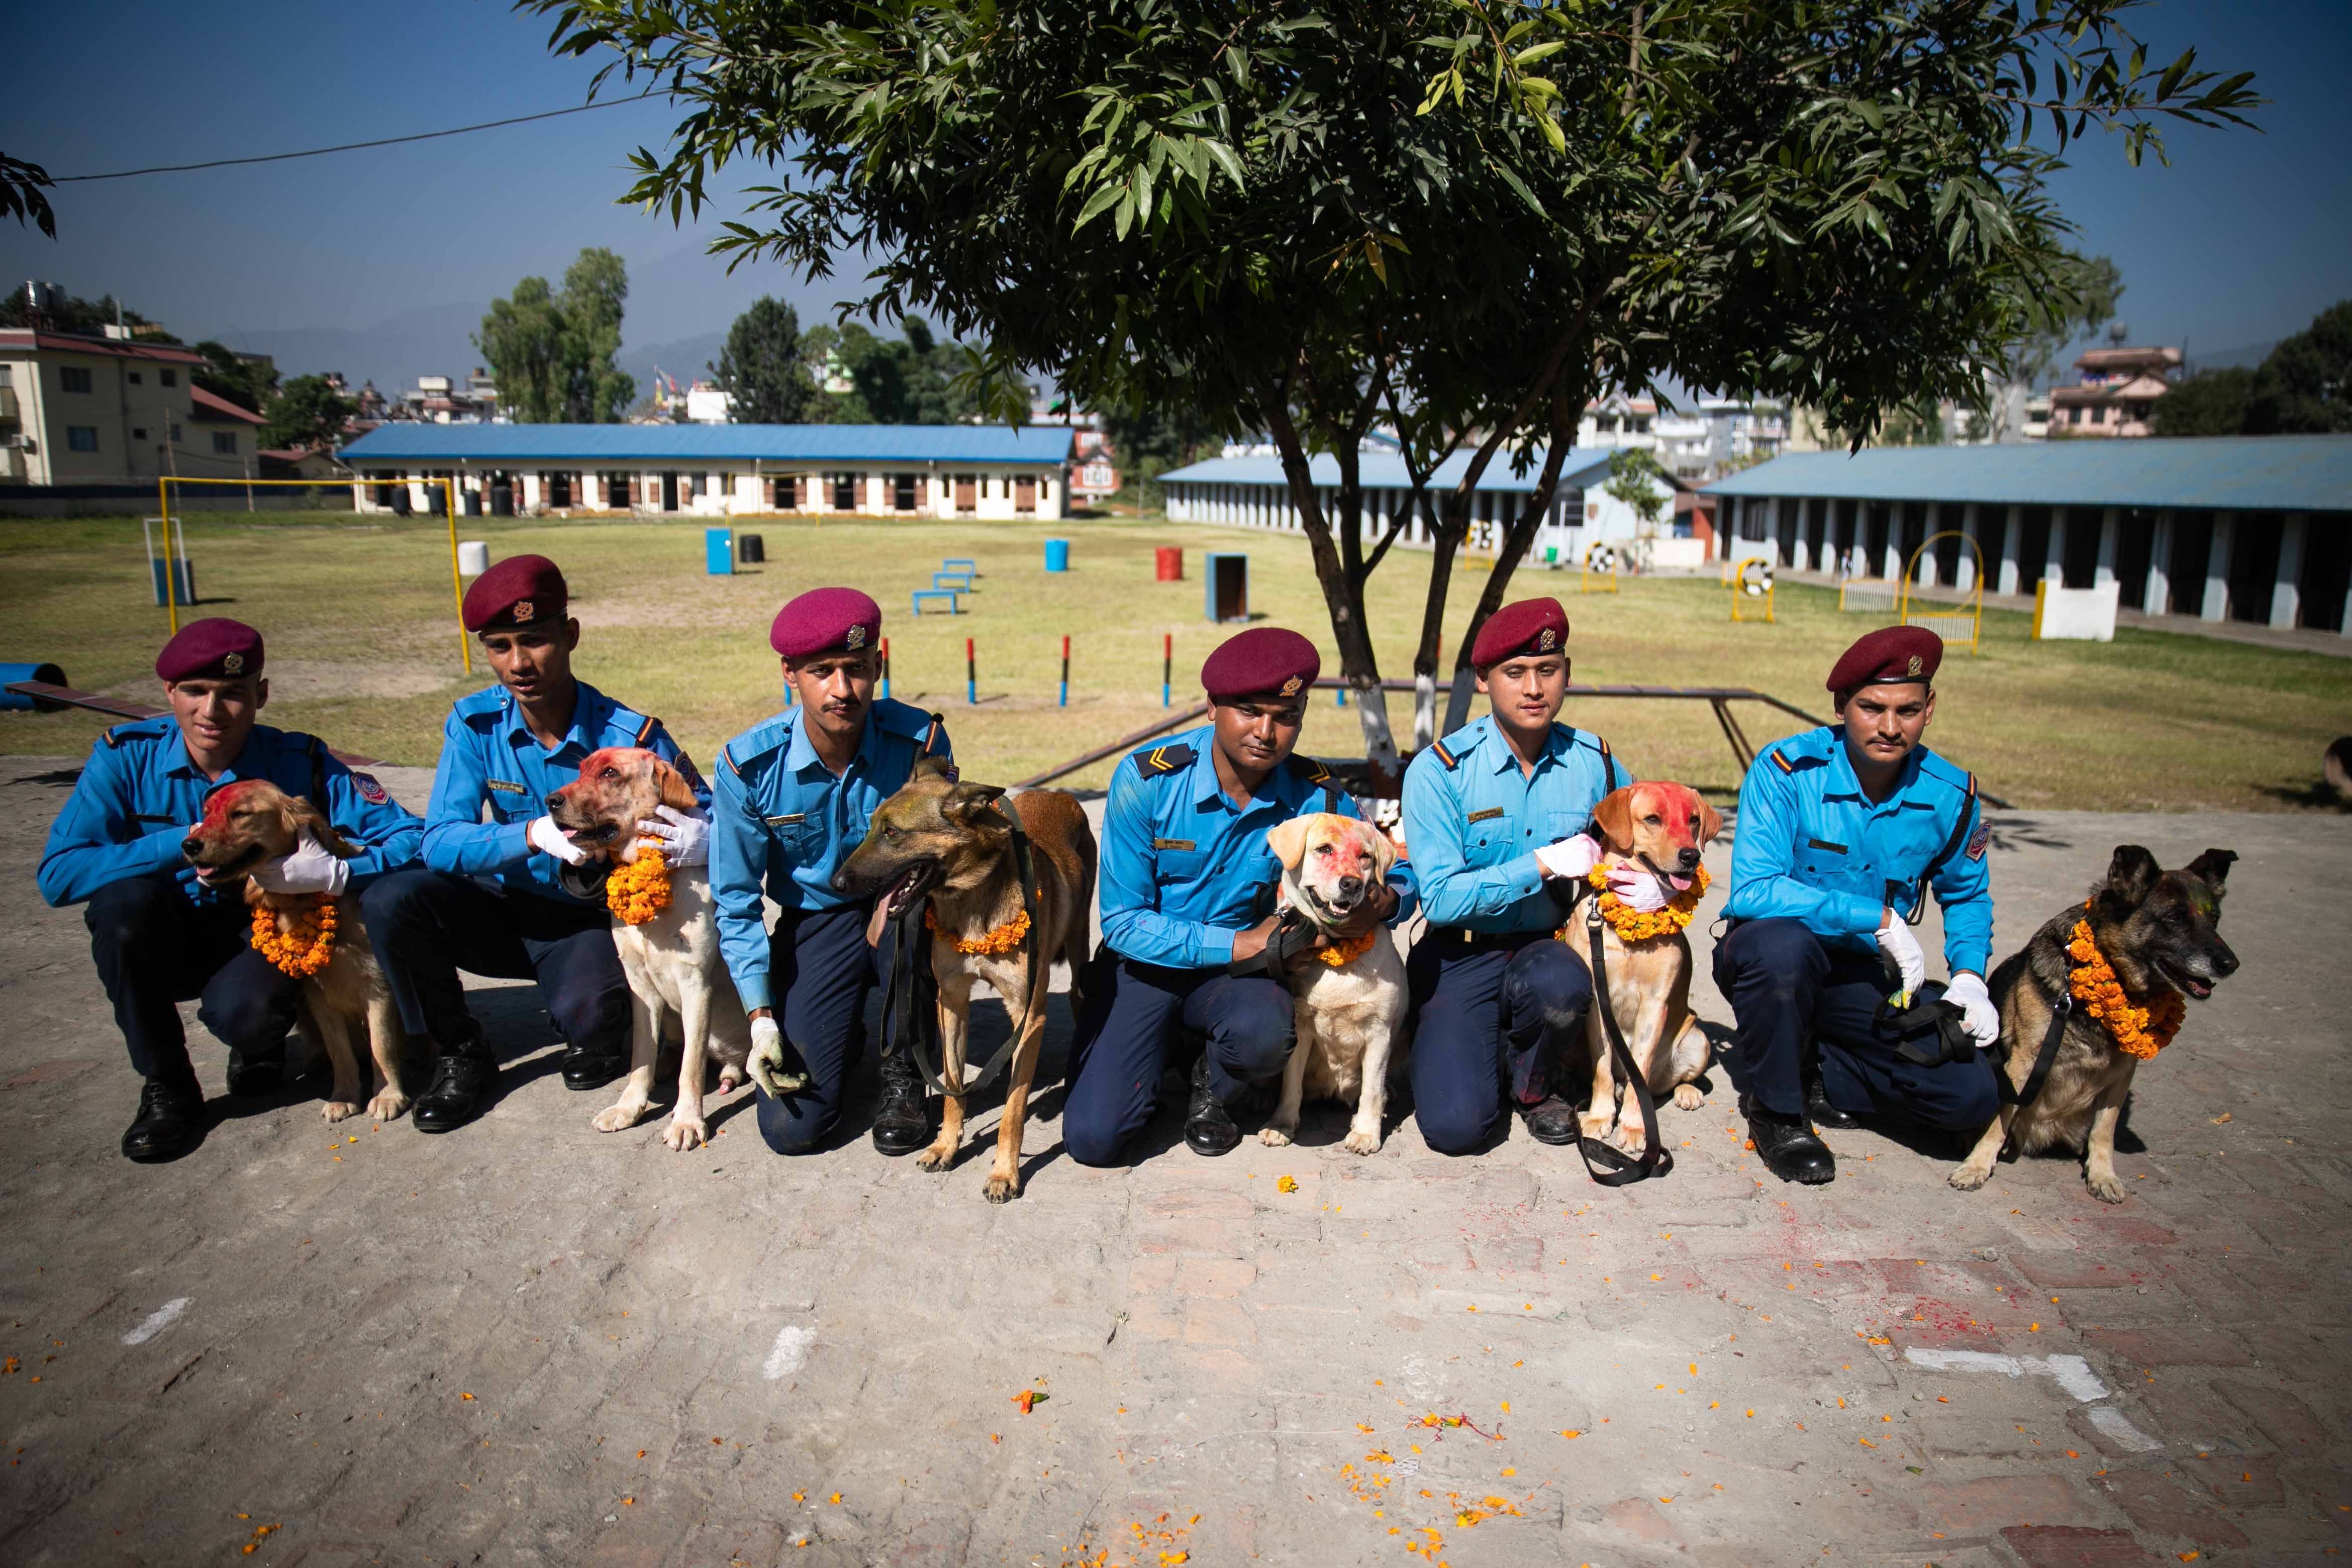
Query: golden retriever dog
672,960
2155,929
1660,828
251,821
1348,1008
951,843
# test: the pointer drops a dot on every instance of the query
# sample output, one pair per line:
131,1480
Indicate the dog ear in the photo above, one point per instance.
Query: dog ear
969,803
2213,866
933,767
1710,821
2132,875
1287,842
302,818
1614,818
674,792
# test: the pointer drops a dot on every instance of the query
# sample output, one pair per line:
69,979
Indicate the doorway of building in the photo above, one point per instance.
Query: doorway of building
1025,495
2192,549
669,492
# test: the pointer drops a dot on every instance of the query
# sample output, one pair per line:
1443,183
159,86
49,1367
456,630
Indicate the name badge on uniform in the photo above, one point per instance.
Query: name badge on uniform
1183,844
1482,816
1824,844
789,819
503,787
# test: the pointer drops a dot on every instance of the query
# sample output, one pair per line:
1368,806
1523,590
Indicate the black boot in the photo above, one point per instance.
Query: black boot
1825,1114
1207,1126
256,1079
166,1125
1789,1148
460,1088
1550,1120
902,1122
585,1068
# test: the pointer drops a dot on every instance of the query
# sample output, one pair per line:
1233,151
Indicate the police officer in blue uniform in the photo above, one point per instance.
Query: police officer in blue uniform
159,935
793,797
493,896
1842,832
1186,885
1495,819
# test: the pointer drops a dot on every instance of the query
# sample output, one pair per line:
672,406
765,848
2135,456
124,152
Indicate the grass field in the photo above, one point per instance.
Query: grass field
363,649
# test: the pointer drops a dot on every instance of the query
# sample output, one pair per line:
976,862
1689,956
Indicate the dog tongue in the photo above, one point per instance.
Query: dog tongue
1679,884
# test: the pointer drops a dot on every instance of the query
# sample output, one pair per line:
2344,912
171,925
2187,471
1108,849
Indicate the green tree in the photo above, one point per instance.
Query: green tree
2087,290
2306,384
2210,403
553,353
1634,476
247,383
762,366
909,380
1290,217
309,412
71,313
1920,423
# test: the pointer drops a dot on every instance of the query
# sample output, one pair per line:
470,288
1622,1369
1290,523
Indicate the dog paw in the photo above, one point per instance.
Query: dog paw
938,1157
1629,1139
1595,1124
1970,1176
1362,1141
389,1105
618,1118
1687,1096
682,1134
336,1110
2105,1188
1274,1137
1001,1189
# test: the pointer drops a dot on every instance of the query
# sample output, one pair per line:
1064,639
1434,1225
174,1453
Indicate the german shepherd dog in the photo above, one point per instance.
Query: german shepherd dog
2156,929
251,821
948,843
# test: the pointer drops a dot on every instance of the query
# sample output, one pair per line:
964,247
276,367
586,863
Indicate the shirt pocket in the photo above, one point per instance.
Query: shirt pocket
1826,863
1488,841
1178,862
799,836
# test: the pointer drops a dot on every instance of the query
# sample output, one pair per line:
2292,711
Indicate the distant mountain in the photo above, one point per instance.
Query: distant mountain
683,358
2250,357
431,339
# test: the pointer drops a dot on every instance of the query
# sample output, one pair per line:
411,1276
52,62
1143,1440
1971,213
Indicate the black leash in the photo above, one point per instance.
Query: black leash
1654,1161
2044,1059
912,984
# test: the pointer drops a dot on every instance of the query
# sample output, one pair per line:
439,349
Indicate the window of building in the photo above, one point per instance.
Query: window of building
136,379
902,493
138,432
2099,415
168,377
844,492
175,434
7,375
2075,415
81,437
224,443
73,378
788,492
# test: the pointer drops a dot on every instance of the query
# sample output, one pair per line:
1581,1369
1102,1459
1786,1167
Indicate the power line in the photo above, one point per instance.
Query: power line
354,146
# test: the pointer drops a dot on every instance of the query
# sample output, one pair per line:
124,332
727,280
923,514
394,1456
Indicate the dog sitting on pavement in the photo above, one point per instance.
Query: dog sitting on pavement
2153,932
1660,830
949,847
672,960
251,821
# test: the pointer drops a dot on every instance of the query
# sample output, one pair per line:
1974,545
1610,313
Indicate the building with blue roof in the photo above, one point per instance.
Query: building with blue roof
1251,492
2227,528
718,471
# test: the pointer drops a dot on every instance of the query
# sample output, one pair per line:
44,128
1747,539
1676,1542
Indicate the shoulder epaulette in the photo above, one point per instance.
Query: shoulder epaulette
1796,764
646,731
1448,758
932,736
1308,768
1163,760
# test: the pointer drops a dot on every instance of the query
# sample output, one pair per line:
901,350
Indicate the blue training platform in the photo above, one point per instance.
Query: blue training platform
954,600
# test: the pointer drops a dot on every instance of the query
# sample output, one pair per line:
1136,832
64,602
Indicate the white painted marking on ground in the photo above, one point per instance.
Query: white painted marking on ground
2071,1372
2110,1420
162,1318
791,1351
2075,1376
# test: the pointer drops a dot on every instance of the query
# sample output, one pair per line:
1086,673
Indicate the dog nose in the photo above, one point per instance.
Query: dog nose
1689,857
554,799
1351,888
840,882
2225,962
191,845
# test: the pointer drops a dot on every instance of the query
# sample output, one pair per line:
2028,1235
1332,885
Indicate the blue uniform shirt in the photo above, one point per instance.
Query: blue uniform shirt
1473,829
783,823
488,756
1810,847
1183,867
140,793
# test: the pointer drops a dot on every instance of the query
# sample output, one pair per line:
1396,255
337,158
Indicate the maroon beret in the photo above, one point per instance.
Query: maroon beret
1889,655
1261,661
515,593
215,648
824,620
1531,625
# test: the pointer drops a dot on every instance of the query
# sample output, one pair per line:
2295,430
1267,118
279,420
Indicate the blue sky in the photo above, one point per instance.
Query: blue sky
2244,238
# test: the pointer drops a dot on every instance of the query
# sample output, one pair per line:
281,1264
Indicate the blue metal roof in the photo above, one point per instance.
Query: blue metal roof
2269,473
1385,471
418,442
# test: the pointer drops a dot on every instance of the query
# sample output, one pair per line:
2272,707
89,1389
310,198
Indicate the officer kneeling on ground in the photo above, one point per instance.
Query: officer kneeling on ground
1186,885
493,899
162,937
1842,831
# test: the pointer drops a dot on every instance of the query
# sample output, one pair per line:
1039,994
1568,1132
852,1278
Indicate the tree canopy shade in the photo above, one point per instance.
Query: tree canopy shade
309,412
763,367
2303,387
909,380
1306,217
553,352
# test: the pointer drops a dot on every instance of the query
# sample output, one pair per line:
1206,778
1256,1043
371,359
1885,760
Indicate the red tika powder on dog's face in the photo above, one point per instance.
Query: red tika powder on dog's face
222,801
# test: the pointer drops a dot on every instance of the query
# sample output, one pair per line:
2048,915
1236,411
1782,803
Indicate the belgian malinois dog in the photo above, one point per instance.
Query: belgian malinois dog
2155,929
951,845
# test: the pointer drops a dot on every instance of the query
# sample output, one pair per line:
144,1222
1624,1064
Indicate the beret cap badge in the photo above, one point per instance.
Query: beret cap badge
232,663
522,610
1290,688
1547,639
855,639
1914,664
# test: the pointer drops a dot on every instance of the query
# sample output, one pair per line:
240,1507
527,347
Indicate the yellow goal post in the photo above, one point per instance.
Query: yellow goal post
1960,624
164,483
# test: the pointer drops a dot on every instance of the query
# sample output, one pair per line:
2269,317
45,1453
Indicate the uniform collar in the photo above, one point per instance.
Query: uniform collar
249,762
1556,745
589,709
1208,788
1842,780
802,753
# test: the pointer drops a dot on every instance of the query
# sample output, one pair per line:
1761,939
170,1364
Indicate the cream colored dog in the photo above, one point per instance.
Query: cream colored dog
672,960
1349,1004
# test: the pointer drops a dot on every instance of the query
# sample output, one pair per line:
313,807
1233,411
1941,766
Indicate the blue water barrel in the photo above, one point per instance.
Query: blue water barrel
718,552
1057,555
12,673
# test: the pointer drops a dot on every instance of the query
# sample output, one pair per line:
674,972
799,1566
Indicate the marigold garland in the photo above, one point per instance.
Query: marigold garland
1641,925
1005,938
2136,1031
1346,953
303,949
638,891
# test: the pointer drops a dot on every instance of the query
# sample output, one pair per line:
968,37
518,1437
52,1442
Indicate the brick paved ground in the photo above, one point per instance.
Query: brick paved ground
527,1342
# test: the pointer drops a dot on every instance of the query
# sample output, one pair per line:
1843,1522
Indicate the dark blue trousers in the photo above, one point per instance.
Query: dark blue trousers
1787,986
1132,1012
155,949
1488,1012
821,972
427,925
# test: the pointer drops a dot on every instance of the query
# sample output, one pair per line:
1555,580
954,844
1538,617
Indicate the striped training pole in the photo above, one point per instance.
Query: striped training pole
885,669
1167,666
970,675
1066,669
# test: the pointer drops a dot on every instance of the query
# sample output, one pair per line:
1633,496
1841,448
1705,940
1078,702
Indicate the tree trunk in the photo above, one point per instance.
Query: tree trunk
1516,542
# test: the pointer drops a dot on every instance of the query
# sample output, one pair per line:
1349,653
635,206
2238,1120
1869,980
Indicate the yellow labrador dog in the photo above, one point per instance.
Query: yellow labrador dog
1348,1001
672,960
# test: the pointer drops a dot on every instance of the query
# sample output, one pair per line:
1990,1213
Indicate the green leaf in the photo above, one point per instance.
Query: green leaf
1528,57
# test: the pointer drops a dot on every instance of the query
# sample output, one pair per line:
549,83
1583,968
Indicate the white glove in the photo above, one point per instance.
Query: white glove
1978,1014
310,869
544,835
684,835
1896,941
1571,858
767,1060
1636,890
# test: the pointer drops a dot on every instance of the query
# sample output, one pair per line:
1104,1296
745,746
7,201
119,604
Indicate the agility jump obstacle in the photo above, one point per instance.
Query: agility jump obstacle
1959,625
1751,580
1599,558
